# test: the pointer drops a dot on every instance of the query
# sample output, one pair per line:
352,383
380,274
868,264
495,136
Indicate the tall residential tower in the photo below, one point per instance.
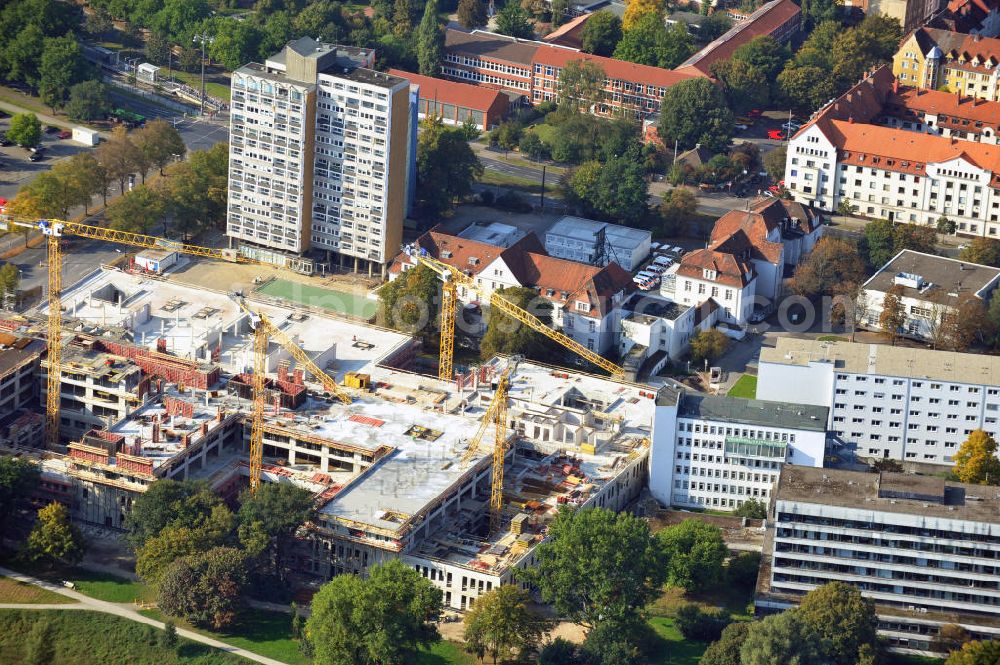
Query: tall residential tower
322,158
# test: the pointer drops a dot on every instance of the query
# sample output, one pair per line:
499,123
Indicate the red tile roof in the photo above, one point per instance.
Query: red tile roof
730,271
613,69
569,33
946,103
764,21
450,92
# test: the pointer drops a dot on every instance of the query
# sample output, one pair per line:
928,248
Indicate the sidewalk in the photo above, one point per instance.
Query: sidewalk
123,610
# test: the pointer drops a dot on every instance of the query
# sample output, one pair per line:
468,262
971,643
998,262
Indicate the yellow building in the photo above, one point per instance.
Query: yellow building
942,59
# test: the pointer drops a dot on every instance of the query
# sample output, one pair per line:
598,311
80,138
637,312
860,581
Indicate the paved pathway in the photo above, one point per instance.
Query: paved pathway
124,610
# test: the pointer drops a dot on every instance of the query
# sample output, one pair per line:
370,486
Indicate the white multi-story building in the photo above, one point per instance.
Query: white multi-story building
321,157
718,452
922,549
931,288
913,405
597,243
840,158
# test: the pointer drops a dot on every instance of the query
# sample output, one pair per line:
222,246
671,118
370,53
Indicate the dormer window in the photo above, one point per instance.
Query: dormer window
709,274
582,306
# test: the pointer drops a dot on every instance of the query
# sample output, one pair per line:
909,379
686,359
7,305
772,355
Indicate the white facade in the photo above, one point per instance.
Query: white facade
598,243
912,405
736,303
718,452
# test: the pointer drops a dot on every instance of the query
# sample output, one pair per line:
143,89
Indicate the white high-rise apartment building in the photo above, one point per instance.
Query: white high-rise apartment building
321,158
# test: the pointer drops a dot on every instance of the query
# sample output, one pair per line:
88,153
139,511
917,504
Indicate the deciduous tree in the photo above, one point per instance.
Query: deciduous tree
726,650
581,84
137,211
976,460
650,42
708,345
383,618
119,156
695,112
635,10
411,303
446,167
502,624
695,553
18,478
169,503
892,318
616,190
472,13
832,262
61,66
601,33
843,619
950,638
275,511
205,589
508,336
88,100
513,21
985,251
986,652
598,566
54,539
25,130
783,639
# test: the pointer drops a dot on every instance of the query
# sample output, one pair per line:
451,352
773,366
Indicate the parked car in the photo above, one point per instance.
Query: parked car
51,129
656,269
35,157
776,134
4,141
65,134
792,126
662,261
754,113
774,189
740,127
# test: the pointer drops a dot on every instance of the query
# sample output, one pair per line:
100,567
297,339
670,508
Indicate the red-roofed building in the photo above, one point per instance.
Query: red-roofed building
570,33
780,19
965,64
531,69
456,103
973,17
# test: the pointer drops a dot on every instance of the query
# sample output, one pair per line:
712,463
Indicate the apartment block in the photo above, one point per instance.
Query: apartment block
963,64
321,158
848,155
719,452
19,361
907,404
924,550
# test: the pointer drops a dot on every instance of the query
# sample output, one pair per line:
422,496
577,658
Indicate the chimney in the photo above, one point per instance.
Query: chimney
850,119
895,86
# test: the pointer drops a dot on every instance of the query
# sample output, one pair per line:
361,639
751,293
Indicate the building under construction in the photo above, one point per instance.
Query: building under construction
400,472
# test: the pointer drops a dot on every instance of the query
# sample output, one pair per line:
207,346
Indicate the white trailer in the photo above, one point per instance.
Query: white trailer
86,136
155,260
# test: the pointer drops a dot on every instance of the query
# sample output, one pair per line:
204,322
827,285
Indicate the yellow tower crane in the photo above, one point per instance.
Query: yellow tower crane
54,230
452,277
496,414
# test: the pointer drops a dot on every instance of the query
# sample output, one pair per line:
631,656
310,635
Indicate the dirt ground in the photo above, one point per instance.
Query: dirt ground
223,276
565,630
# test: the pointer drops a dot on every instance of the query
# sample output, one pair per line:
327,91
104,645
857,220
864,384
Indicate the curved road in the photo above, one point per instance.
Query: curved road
124,610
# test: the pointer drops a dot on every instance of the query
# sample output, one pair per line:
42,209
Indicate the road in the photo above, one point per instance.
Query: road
123,610
80,257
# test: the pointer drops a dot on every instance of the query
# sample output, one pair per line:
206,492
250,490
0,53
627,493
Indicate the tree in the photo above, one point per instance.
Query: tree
559,651
158,49
598,566
169,503
976,460
806,87
119,156
160,143
60,67
137,211
713,26
559,10
702,626
323,20
742,570
678,208
694,111
196,190
945,226
446,167
976,653
98,22
616,190
53,193
168,638
410,303
25,130
886,465
581,84
502,623
774,162
950,638
179,17
472,13
650,42
601,33
205,589
18,478
783,639
708,345
635,10
88,100
752,508
23,54
843,619
913,237
508,336
274,512
726,650
984,251
618,642
833,262
54,539
382,619
10,278
430,40
745,86
513,21
892,318
695,553
155,557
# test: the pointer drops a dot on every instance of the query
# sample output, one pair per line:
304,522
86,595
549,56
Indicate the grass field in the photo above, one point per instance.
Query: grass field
12,591
92,638
902,659
674,649
212,89
446,653
314,296
745,387
111,588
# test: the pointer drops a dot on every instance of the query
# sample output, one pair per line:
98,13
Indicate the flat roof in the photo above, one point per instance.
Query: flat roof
945,280
191,319
882,359
618,233
491,45
371,77
860,490
578,228
753,412
492,233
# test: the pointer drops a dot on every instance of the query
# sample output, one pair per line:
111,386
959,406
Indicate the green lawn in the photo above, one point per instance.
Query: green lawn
111,588
674,649
12,591
260,631
314,296
545,132
213,89
92,638
446,653
904,659
745,387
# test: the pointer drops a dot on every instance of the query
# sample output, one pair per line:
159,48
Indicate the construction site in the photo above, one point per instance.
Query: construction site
459,476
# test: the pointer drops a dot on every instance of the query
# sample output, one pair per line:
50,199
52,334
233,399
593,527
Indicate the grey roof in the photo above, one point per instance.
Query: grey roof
576,227
620,235
754,412
861,490
948,279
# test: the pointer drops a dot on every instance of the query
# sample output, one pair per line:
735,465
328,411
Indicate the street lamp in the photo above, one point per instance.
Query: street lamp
203,38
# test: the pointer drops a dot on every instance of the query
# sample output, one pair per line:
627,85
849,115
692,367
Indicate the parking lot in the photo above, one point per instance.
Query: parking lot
15,168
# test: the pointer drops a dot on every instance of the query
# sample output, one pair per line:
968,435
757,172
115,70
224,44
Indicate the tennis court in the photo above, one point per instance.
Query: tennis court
315,296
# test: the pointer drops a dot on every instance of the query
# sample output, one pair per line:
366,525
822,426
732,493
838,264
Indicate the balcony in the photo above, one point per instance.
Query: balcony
755,448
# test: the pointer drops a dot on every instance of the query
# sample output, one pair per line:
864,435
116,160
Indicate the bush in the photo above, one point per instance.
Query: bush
486,197
695,624
754,509
511,202
743,569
